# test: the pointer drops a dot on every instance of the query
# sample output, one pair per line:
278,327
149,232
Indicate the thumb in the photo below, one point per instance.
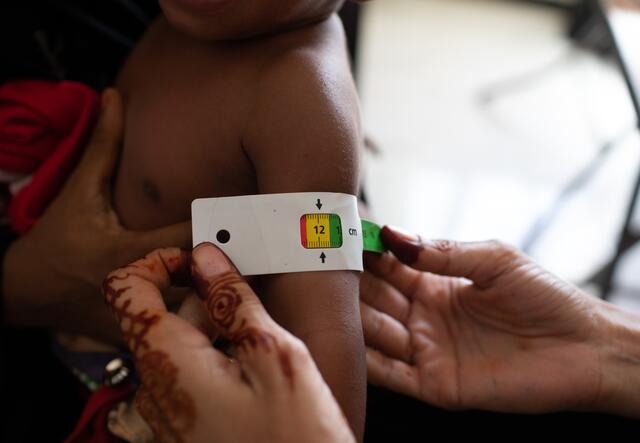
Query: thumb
178,234
269,355
232,305
96,166
480,262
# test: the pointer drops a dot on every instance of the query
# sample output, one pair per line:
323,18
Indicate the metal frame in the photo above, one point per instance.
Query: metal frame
628,236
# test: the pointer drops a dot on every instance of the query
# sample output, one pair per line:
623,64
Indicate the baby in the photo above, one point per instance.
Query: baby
235,97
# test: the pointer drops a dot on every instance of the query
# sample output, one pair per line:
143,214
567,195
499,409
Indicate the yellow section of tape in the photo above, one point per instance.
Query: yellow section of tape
318,231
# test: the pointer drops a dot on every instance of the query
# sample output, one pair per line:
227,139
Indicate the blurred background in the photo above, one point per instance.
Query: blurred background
509,120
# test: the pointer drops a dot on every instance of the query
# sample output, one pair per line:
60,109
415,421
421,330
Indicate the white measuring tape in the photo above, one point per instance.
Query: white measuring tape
283,233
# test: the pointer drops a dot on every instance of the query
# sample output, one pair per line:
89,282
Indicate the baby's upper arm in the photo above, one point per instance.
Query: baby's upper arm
303,135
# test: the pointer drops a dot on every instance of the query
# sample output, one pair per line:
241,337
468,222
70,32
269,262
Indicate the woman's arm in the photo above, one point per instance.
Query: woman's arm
619,344
52,274
481,326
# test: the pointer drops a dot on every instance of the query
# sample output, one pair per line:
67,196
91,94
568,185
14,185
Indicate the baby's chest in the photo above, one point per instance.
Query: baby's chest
177,149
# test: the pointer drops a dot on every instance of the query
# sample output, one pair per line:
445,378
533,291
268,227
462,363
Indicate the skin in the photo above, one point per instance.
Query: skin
76,242
271,391
273,114
240,19
479,325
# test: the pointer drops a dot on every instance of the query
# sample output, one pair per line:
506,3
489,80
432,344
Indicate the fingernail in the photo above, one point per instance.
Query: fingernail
180,274
403,233
207,262
370,258
404,246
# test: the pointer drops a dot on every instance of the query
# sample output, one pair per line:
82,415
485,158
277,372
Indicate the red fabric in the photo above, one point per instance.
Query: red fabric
92,426
44,126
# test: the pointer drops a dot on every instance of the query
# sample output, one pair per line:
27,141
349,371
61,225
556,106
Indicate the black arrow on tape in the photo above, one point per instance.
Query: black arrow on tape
323,257
319,204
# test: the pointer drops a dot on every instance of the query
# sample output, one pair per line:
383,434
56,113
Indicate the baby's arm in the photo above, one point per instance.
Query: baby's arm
303,136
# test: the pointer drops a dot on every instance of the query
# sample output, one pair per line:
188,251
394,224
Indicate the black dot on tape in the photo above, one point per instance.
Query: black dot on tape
223,236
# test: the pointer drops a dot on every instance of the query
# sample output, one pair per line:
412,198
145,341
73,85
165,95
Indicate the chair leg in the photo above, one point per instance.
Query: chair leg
628,239
578,182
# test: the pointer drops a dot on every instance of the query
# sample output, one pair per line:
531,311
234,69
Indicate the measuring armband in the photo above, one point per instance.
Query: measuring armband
284,233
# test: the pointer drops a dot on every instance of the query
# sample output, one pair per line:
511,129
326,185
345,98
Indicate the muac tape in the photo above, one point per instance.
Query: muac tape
284,233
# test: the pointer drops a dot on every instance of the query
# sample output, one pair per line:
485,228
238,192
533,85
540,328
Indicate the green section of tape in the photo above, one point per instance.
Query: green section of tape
335,231
371,237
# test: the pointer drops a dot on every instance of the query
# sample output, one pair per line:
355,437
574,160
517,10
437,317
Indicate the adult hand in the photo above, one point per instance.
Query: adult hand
53,273
191,392
479,325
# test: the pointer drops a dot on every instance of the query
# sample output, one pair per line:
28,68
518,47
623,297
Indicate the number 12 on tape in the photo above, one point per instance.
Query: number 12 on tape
321,231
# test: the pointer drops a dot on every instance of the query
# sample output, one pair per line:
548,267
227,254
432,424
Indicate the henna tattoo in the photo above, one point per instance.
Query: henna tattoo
253,337
146,406
134,326
443,245
169,410
177,266
110,294
222,300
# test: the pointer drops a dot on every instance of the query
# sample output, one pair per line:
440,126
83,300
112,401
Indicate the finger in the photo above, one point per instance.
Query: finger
230,301
265,350
385,333
392,374
149,409
402,277
192,311
139,243
96,166
480,262
178,235
134,293
383,296
163,344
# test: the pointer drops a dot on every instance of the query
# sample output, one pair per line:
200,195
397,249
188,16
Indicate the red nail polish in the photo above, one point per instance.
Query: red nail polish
181,274
405,249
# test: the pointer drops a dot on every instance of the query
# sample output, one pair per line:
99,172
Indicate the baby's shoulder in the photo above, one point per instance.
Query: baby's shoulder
306,54
305,101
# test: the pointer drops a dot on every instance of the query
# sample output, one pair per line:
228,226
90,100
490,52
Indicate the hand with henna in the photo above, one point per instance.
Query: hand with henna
271,391
480,326
76,242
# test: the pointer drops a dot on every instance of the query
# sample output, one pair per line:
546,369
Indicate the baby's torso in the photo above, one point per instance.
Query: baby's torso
186,106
